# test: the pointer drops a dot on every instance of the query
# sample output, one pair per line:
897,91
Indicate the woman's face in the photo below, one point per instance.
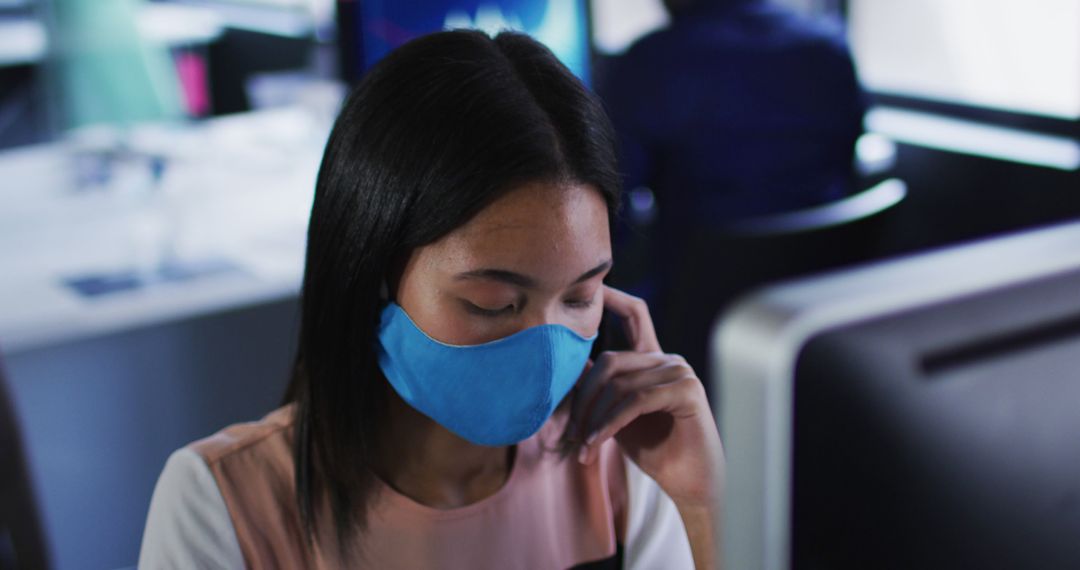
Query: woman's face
535,256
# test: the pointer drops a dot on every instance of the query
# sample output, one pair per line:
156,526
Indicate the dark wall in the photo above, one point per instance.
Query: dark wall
955,198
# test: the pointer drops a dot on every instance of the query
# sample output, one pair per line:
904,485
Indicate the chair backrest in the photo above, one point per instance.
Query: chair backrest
716,266
860,207
22,539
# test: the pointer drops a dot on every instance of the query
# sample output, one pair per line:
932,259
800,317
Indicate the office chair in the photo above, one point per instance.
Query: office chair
715,266
22,538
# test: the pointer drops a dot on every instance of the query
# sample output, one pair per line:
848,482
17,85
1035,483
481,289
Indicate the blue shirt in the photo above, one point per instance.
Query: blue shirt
737,109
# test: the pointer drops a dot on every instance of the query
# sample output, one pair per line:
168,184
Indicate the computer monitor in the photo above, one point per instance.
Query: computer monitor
369,30
916,413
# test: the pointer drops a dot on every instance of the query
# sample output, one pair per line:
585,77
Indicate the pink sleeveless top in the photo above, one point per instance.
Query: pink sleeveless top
550,513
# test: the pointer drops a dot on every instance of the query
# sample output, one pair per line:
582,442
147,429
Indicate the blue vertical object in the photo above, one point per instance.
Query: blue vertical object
561,25
105,72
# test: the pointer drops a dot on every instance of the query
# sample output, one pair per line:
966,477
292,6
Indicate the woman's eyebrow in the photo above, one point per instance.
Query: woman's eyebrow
594,272
523,281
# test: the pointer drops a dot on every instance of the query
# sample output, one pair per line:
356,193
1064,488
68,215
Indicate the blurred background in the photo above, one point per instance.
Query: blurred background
158,159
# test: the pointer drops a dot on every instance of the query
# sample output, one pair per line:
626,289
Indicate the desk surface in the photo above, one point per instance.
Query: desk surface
239,188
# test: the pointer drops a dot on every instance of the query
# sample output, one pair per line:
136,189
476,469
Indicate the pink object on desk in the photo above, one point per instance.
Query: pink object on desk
191,68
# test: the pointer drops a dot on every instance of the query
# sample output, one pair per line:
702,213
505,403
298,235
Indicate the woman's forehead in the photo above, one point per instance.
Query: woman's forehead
538,228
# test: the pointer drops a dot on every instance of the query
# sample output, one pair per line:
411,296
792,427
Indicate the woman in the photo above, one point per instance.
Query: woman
444,410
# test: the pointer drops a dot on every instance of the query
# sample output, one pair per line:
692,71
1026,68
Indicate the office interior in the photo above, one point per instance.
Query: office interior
155,199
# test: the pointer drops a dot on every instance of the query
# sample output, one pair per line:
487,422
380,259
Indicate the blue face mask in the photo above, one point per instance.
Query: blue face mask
496,393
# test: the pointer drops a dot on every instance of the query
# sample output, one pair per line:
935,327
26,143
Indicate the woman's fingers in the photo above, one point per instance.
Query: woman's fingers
622,386
676,397
606,366
639,329
615,390
636,319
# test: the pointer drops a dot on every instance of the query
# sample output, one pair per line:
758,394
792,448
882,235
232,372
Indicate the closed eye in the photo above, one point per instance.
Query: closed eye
484,312
578,303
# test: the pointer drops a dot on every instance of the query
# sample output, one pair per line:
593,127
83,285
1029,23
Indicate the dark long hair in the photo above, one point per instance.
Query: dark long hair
431,135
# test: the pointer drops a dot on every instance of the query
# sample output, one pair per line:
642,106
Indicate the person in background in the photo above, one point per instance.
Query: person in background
451,406
737,109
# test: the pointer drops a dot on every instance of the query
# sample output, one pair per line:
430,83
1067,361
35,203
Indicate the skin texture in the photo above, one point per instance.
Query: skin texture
554,240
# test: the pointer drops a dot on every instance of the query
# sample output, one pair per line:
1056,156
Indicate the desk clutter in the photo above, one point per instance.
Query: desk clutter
157,219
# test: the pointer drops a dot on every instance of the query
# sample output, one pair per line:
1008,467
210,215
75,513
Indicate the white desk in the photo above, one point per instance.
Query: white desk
241,189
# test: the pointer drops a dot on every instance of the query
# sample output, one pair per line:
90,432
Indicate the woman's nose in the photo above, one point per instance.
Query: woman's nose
553,315
540,316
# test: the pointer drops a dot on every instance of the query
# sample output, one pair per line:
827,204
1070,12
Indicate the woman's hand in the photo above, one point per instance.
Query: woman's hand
654,405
